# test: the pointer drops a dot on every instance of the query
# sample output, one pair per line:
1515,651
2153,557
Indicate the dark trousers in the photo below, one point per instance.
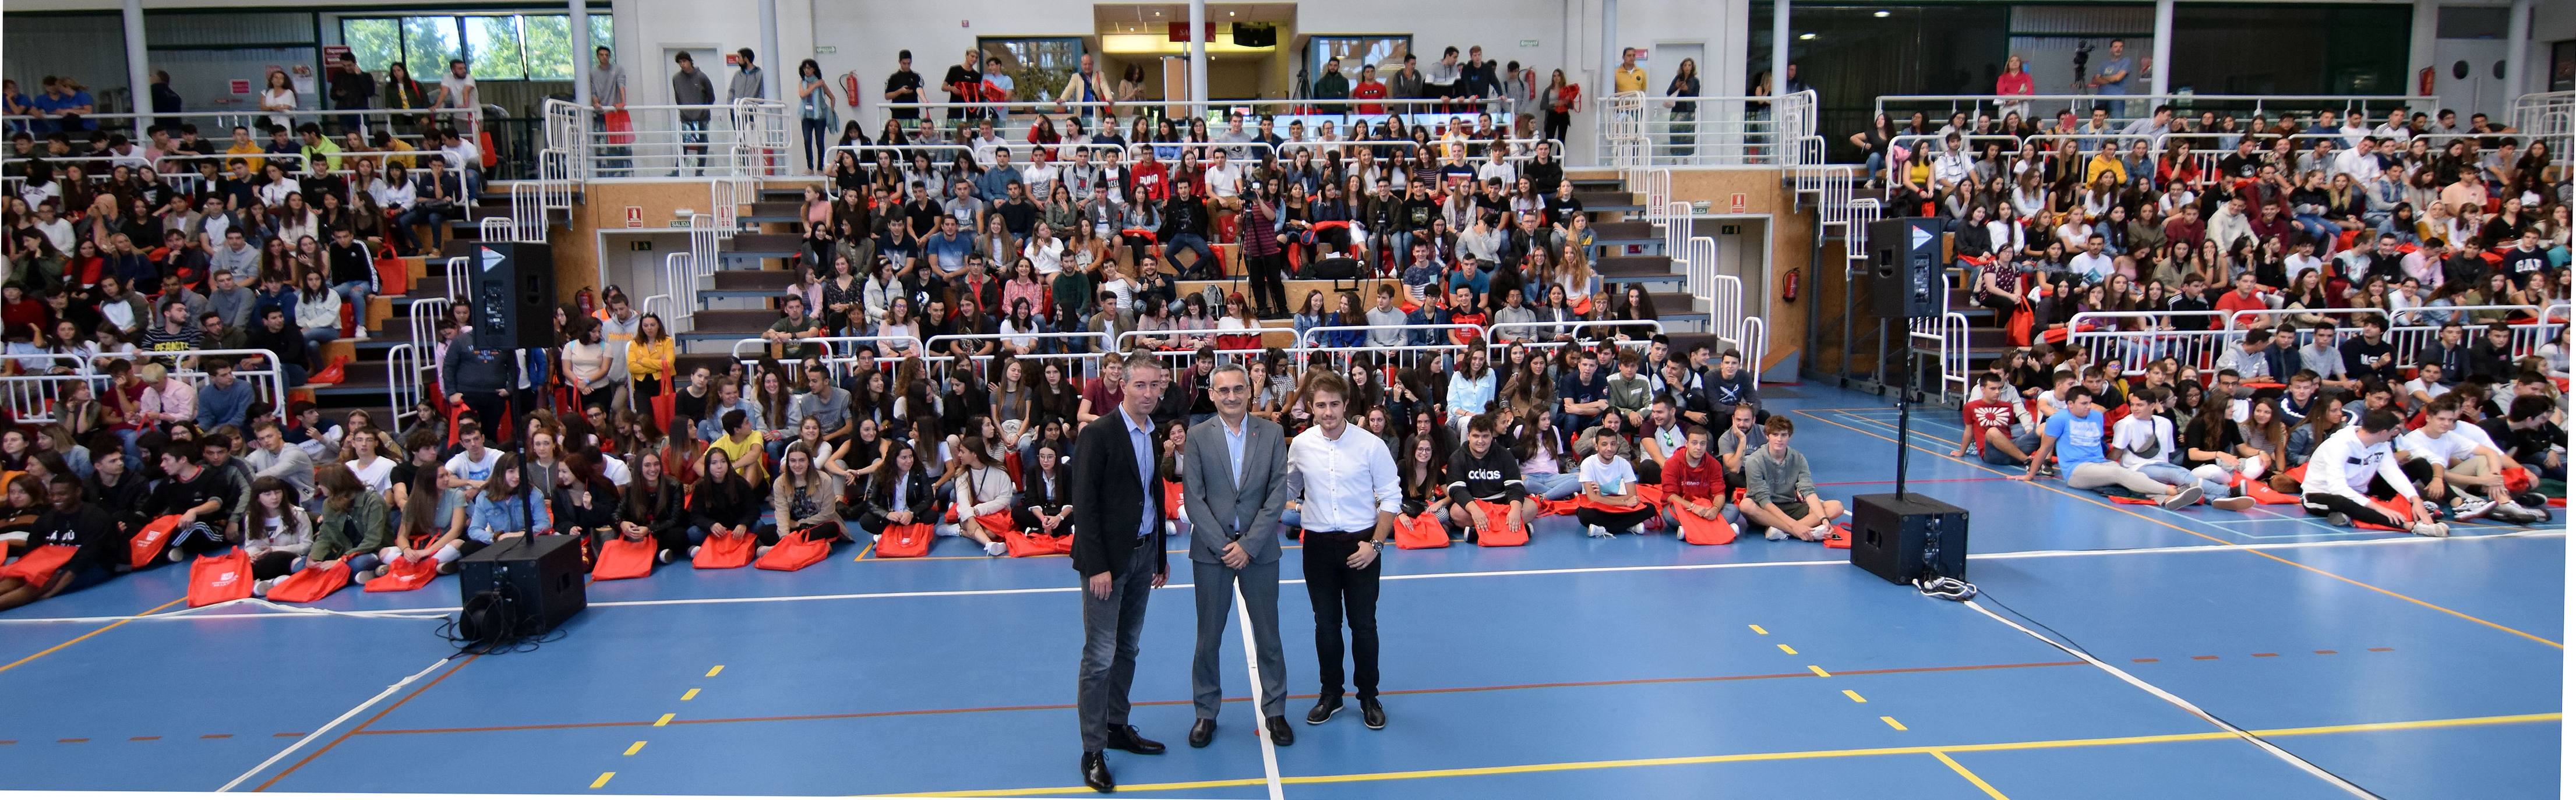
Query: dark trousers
1269,291
272,564
829,531
493,411
1110,630
1616,521
1338,593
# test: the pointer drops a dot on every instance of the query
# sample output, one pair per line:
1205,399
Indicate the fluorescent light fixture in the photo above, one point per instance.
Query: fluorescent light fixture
1879,14
1805,36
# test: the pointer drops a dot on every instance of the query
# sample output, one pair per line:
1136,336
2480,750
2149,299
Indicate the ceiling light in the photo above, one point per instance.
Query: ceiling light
1879,14
1229,13
1805,36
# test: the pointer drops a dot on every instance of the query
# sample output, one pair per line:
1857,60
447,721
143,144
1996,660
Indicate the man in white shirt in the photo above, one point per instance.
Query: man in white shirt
2361,162
1345,483
1952,165
2302,260
2091,265
1039,175
56,229
2345,465
2394,131
2462,463
1495,168
1224,182
985,142
2143,442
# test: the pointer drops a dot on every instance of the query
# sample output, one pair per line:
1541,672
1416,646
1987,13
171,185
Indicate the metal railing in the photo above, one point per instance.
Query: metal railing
750,136
840,354
1092,344
1945,339
2124,107
1720,131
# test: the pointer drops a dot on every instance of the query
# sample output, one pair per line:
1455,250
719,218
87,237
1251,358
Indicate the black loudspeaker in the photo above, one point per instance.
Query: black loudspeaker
1905,263
513,291
1902,539
1332,268
1248,34
539,580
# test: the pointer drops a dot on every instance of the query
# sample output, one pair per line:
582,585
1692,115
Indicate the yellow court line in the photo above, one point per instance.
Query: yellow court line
864,551
691,694
712,671
1758,630
77,639
1787,649
2169,524
637,747
1519,769
603,779
1855,696
1820,671
1892,723
1981,783
665,720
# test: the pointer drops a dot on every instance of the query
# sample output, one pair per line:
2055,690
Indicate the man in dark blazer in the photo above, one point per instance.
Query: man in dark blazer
1117,549
1234,473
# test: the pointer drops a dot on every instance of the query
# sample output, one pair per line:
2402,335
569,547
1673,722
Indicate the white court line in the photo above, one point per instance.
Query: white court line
334,723
686,601
1252,667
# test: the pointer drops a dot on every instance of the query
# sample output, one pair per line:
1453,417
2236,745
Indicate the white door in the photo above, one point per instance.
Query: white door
2466,76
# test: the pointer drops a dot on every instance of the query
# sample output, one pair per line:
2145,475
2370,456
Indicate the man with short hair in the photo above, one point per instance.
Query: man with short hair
2462,463
1344,481
271,457
2358,459
690,87
1779,490
1116,473
1582,397
1233,472
2076,437
1999,429
2525,431
225,399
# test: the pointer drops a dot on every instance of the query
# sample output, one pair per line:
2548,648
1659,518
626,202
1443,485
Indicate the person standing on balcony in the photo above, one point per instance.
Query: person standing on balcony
1087,87
965,84
690,87
351,88
456,90
608,95
1684,112
747,84
814,112
904,86
1332,86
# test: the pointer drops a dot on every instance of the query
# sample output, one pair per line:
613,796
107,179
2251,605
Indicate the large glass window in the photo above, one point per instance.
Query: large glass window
376,42
505,47
1384,52
428,44
1038,67
549,44
496,44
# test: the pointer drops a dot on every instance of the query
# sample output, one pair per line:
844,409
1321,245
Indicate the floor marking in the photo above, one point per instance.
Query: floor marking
2228,728
1736,758
637,747
344,716
77,639
2169,524
691,694
714,671
603,779
1980,783
2204,658
2381,649
143,738
1892,723
665,720
1855,696
1757,629
1252,668
1786,649
2142,661
1820,671
69,741
1150,703
2267,655
2325,652
216,736
864,551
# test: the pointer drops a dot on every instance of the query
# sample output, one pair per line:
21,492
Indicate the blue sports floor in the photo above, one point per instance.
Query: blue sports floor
1636,666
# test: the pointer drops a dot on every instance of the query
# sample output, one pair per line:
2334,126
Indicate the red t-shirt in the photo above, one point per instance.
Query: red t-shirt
1103,395
1704,482
1370,90
1983,416
2232,301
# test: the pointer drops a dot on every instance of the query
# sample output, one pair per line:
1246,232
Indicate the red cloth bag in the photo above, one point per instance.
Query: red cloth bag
1696,530
405,576
313,582
620,125
2262,493
1839,538
1494,533
621,558
215,579
797,550
1421,532
724,552
2518,480
148,543
913,541
1558,508
38,566
1024,545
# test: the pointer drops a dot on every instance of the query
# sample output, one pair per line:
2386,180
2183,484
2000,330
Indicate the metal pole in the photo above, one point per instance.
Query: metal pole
1198,55
138,72
1779,48
1609,50
581,55
2517,49
769,86
2159,81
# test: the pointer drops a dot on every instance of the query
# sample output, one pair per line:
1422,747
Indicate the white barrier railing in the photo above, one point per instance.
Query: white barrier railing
1558,334
2129,340
30,395
840,354
2124,107
1945,338
1721,130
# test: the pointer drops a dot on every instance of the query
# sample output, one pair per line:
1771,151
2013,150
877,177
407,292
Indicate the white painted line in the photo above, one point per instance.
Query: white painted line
1252,667
334,723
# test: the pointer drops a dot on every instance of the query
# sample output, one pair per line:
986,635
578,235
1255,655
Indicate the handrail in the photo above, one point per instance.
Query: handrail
1977,103
1494,340
1305,341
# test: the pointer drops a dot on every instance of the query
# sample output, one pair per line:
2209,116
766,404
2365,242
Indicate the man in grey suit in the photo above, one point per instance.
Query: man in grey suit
1234,471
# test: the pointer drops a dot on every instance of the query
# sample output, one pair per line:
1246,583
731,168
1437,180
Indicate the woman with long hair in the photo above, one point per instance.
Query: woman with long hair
983,488
805,498
721,504
507,508
350,524
274,529
652,507
430,530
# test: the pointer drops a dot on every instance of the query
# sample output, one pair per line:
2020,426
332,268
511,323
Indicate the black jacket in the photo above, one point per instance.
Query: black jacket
918,498
659,511
1104,472
1033,489
1184,215
709,505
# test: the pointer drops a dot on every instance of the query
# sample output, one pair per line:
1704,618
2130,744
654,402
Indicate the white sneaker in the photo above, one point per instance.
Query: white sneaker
1774,534
693,551
1595,531
2434,529
260,588
176,556
362,334
666,556
1635,530
2469,508
760,551
996,548
1818,533
2181,499
379,571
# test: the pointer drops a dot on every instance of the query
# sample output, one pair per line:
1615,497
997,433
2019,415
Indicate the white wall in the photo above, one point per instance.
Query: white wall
643,27
2550,22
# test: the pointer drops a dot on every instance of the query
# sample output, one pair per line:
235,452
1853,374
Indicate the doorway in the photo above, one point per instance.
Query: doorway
1681,139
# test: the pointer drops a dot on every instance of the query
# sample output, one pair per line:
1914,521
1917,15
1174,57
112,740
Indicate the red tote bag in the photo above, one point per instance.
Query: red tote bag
913,541
797,550
405,576
620,125
724,552
38,566
622,558
1698,530
148,543
1024,545
311,583
216,579
1494,533
1420,532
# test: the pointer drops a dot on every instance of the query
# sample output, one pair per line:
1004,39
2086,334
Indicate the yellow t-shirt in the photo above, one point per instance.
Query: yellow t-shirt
1629,79
758,474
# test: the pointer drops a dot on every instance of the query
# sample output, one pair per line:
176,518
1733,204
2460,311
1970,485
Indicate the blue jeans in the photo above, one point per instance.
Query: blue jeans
2026,443
818,137
1876,160
316,336
355,294
693,146
2318,229
435,220
1556,486
613,156
2212,479
1192,242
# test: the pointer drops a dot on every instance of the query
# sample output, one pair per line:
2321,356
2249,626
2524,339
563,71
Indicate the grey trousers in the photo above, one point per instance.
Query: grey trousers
1214,584
1110,629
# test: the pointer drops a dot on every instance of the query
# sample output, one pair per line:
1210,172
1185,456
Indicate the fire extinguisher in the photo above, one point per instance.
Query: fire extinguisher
583,300
1789,287
850,87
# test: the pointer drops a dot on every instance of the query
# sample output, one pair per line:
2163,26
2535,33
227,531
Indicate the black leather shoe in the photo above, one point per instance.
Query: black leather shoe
1123,737
1280,734
1201,732
1372,714
1325,708
1095,773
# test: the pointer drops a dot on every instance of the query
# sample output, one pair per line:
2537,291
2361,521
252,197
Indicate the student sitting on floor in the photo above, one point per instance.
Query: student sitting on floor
433,527
2524,432
2075,437
96,541
2358,459
1045,507
1608,480
197,495
899,493
2461,460
803,498
1741,436
1997,426
1418,472
585,502
507,509
654,506
1780,492
2144,443
722,503
1482,471
351,521
1694,481
983,488
275,532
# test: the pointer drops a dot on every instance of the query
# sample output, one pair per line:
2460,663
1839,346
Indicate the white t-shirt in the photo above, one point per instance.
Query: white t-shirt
2430,390
465,467
376,476
2094,267
1614,476
2446,450
456,88
2143,441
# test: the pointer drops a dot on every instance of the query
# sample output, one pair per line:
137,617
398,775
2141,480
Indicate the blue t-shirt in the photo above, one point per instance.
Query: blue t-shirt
2121,66
2077,444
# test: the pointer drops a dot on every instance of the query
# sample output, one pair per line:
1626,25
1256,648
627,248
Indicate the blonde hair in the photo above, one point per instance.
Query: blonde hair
153,373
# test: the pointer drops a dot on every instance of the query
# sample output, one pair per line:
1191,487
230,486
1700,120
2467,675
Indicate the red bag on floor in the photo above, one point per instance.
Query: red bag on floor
621,558
2399,508
1560,508
1421,532
1697,530
797,550
998,522
1171,500
724,552
913,541
215,579
313,582
148,543
1494,533
38,566
1023,545
1839,538
2518,480
404,577
1586,501
2262,493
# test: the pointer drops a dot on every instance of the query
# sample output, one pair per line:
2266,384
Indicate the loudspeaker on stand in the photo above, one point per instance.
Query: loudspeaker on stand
1909,536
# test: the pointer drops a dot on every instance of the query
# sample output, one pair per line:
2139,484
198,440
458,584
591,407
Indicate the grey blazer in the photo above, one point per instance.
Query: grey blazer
1218,506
